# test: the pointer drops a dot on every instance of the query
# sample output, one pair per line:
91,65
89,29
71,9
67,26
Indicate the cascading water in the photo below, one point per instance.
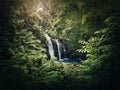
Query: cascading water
50,45
51,50
64,52
58,46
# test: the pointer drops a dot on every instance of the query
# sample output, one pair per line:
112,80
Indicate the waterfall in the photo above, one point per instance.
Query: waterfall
58,46
50,45
64,52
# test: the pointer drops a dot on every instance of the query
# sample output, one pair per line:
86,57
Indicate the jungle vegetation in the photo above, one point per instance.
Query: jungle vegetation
89,29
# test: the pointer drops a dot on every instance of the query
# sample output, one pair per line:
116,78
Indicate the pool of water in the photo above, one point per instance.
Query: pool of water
68,60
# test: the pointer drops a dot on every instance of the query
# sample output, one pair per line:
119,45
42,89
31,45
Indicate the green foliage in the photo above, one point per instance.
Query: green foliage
90,27
100,47
28,47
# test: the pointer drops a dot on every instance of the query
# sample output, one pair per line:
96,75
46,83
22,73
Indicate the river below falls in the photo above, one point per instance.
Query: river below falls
68,60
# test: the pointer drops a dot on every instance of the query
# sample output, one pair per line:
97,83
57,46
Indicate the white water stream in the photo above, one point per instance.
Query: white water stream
50,45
